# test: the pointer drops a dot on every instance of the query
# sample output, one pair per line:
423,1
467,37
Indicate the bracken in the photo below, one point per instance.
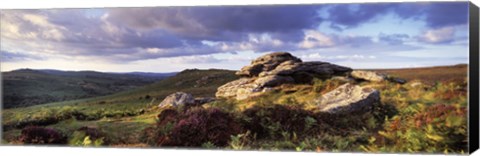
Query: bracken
269,122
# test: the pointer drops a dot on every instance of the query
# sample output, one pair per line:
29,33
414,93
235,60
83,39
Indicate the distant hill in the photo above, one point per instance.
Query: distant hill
430,74
26,87
148,74
197,82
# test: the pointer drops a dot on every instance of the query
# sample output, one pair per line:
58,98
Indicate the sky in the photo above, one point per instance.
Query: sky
167,39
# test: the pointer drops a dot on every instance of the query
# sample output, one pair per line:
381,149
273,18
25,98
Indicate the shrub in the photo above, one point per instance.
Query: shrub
41,135
239,141
166,116
87,137
198,126
270,121
49,117
149,135
78,115
434,128
229,105
382,112
450,90
158,135
81,139
93,133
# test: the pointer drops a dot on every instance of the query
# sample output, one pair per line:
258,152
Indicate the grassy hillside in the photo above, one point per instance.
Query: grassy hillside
127,103
410,118
431,74
194,81
28,87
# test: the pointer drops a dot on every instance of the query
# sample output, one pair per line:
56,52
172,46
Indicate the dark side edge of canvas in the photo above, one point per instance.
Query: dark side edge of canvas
473,103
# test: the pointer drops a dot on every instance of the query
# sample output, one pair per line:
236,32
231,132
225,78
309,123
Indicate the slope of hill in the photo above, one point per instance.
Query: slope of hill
130,110
26,87
283,119
197,82
430,74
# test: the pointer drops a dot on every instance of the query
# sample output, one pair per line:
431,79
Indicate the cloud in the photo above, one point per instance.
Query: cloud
122,35
114,34
440,35
447,14
55,31
204,59
393,39
258,43
219,23
435,14
6,56
344,16
29,25
337,58
315,39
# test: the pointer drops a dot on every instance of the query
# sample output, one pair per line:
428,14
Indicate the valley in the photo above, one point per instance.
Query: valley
27,87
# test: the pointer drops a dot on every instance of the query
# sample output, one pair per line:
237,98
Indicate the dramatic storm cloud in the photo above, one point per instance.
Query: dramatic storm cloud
221,23
435,15
174,38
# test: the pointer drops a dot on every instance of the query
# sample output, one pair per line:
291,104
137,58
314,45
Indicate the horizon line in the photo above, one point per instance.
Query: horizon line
89,70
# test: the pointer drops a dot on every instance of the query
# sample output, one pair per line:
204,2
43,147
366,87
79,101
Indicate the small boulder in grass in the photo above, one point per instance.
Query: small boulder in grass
177,99
368,76
184,99
41,135
348,98
375,77
397,80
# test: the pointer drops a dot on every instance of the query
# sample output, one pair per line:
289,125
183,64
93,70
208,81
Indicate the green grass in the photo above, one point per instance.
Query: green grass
132,100
125,107
32,87
445,131
401,123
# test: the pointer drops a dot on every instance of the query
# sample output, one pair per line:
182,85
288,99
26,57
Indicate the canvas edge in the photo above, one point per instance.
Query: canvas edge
473,103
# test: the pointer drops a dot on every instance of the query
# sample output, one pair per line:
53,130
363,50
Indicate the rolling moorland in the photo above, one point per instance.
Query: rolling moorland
27,87
417,110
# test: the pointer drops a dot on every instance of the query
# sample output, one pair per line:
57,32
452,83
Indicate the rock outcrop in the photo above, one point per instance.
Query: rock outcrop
375,77
397,80
348,98
182,98
272,70
177,99
266,63
276,69
238,87
368,76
